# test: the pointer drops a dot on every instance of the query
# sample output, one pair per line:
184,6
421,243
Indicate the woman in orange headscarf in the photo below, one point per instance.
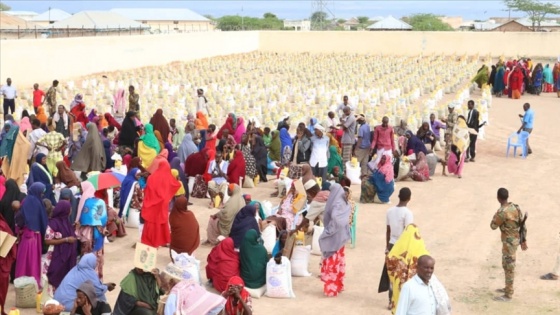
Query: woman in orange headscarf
41,115
159,139
201,122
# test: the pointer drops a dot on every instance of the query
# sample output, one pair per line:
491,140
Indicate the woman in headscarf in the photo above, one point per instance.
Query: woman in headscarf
201,122
32,221
260,154
112,121
76,141
92,155
14,166
162,156
259,207
456,161
286,146
92,114
382,180
515,83
66,176
275,148
185,236
414,144
160,123
220,223
230,125
160,188
248,158
492,76
244,221
129,188
186,148
39,173
222,264
238,299
402,260
481,76
6,264
82,272
334,160
140,293
159,139
335,143
9,140
148,146
86,301
11,194
178,138
420,171
61,121
499,85
253,258
240,130
537,79
237,168
41,115
333,239
55,143
548,79
128,133
291,204
79,115
91,222
61,238
196,163
25,126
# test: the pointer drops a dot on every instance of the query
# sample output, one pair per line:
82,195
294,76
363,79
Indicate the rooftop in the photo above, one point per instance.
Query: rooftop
98,20
155,14
51,15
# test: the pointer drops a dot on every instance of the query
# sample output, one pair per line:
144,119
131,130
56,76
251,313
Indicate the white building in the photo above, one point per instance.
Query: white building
25,15
298,25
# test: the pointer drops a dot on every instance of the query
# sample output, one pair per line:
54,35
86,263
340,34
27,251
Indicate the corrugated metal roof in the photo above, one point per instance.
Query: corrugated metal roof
98,20
154,14
17,13
527,22
390,23
10,22
51,15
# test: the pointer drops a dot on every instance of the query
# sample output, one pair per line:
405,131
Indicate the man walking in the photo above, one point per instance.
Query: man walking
363,145
527,121
473,123
508,219
319,153
50,98
450,122
383,140
9,93
348,124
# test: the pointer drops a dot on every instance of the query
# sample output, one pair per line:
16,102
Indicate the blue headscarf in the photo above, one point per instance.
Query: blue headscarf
8,142
126,188
285,140
243,222
94,214
84,271
40,174
33,210
202,143
66,194
261,210
311,127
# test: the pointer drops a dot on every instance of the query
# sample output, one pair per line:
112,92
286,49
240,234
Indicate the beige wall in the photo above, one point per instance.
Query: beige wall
41,60
183,26
413,43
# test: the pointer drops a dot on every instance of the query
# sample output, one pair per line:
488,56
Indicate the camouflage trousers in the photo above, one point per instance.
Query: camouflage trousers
448,138
508,263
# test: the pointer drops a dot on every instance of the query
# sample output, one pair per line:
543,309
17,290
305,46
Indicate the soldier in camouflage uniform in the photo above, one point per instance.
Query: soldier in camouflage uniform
508,219
450,122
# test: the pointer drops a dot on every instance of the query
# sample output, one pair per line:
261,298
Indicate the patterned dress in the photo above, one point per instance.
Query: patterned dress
333,271
250,162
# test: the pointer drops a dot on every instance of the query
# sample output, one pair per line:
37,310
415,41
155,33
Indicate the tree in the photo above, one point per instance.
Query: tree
341,21
427,22
269,15
363,19
209,16
535,9
4,7
319,20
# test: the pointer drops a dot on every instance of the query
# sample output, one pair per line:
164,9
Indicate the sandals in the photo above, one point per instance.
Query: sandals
549,276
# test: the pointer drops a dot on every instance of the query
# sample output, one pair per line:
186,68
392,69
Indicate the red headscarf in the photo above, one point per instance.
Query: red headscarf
160,124
223,264
236,168
79,112
126,160
211,157
197,163
160,188
112,121
229,126
230,308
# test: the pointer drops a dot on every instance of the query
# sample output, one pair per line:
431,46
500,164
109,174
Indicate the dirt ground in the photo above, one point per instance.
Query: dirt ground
454,218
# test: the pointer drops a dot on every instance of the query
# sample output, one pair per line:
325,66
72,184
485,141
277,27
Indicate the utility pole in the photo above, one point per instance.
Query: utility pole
242,20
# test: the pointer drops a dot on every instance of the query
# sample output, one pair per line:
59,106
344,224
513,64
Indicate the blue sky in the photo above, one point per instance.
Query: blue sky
295,9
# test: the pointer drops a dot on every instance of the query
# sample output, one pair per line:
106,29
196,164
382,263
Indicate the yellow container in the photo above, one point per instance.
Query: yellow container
38,302
257,180
14,311
217,201
319,181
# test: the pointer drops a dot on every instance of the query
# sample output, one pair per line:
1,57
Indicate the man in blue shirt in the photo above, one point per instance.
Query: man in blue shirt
527,121
363,145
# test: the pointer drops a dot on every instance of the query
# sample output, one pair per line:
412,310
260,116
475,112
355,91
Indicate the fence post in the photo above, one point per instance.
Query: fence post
35,31
119,30
130,30
18,32
67,30
82,31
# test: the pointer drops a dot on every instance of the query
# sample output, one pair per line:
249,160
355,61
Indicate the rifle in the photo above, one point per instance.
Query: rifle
523,232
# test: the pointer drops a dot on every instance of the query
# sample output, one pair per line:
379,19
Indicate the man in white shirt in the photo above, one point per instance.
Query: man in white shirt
398,218
345,102
219,184
34,136
202,101
423,294
319,152
9,93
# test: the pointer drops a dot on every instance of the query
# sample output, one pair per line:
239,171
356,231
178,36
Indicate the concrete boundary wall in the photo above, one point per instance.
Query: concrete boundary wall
509,44
42,60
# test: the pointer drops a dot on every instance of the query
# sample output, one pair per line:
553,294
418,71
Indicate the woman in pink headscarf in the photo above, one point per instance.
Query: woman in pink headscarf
119,106
25,125
240,130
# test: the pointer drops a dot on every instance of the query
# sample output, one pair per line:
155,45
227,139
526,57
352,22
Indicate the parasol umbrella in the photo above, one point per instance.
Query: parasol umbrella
106,180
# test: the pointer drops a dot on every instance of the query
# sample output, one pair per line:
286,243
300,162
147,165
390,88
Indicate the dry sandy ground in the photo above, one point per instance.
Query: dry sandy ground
454,218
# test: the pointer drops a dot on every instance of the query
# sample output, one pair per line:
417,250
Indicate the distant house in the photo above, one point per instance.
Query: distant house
98,20
50,16
512,26
351,24
26,15
454,21
546,25
390,24
298,25
168,20
12,27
